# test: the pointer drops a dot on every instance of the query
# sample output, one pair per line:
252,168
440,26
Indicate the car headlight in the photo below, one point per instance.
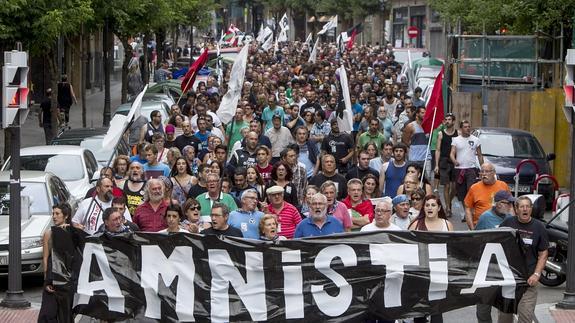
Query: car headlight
31,243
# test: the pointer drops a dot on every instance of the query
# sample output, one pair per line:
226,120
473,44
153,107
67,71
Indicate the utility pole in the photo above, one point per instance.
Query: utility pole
568,301
14,112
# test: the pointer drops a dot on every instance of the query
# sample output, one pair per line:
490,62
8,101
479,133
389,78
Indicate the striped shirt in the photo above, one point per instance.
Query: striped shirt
288,219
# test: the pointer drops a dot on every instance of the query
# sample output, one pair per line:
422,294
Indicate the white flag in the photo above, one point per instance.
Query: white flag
332,23
266,31
308,39
282,36
260,33
346,123
284,22
268,43
229,103
313,55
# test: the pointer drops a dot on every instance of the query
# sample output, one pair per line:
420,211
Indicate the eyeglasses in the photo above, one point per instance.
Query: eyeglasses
416,199
196,207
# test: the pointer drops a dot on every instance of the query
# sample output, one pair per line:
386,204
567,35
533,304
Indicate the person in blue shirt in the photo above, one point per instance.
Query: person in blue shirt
502,209
271,110
318,223
153,168
247,218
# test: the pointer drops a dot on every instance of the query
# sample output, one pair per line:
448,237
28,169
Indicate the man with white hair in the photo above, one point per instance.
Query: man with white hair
247,218
149,216
318,223
383,210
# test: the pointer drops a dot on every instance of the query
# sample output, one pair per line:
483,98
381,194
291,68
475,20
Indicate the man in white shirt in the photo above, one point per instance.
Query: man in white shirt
381,219
89,216
465,152
280,137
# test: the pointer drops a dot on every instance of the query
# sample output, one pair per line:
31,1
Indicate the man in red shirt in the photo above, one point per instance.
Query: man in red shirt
361,210
287,214
149,216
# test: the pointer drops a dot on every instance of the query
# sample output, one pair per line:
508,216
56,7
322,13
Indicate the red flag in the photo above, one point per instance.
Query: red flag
353,31
434,106
190,76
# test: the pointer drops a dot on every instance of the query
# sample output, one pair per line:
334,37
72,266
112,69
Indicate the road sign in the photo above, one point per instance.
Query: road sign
412,32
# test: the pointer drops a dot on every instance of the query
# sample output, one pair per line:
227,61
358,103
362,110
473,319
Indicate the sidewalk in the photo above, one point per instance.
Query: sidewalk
8,315
32,135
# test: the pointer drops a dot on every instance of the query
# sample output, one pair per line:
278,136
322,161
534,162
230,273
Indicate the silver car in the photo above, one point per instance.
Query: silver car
44,191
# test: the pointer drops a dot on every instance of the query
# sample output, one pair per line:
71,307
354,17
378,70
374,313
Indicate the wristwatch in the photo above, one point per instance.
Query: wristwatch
537,274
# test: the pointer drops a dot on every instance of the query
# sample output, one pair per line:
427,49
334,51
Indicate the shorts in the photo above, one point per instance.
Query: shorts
464,179
447,172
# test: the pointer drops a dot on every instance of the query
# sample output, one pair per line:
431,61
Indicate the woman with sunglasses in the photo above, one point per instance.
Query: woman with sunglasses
192,220
414,170
416,199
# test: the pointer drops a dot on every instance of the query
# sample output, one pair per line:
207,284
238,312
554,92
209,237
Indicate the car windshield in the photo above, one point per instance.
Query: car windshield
95,146
67,167
39,203
507,145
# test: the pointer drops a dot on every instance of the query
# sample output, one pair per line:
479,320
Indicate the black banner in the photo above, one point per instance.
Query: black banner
348,277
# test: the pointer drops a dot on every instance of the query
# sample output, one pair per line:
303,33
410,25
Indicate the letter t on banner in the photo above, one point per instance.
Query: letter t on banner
394,256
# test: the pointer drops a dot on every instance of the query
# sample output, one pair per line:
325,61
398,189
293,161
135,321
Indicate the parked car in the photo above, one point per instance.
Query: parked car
505,148
402,54
163,97
44,190
171,87
75,136
429,72
147,108
74,165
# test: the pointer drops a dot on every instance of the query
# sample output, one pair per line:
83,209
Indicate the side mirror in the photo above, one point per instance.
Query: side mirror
551,156
95,177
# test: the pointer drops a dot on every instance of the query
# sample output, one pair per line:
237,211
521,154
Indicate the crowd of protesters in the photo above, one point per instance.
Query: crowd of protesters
283,169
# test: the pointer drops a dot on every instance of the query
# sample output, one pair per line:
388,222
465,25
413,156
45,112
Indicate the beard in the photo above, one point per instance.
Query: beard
108,196
318,216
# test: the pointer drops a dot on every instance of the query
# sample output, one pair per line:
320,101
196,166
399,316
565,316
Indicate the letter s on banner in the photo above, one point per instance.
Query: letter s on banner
394,256
507,284
334,305
108,283
252,290
156,265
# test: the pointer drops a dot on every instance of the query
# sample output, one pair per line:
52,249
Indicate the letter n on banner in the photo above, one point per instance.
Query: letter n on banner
109,284
252,290
156,267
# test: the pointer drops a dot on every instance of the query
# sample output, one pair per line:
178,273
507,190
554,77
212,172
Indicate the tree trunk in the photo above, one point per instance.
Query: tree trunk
191,42
108,62
54,73
83,60
176,39
146,69
160,39
127,58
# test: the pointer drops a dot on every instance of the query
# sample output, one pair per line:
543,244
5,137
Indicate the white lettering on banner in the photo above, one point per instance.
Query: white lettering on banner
334,305
394,256
293,284
252,290
108,284
438,279
507,284
156,266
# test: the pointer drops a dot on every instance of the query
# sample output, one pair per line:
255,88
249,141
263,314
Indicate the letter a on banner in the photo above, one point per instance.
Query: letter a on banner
108,284
507,284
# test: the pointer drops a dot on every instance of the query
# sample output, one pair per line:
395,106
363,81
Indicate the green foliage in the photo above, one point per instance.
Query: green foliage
39,23
517,16
349,9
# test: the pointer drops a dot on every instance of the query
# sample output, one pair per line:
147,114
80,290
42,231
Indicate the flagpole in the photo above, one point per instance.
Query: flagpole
428,145
183,92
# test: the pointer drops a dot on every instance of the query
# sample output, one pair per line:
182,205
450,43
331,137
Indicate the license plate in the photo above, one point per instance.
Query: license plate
521,188
3,260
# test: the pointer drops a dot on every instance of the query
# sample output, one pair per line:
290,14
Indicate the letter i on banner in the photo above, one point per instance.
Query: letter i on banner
438,272
293,284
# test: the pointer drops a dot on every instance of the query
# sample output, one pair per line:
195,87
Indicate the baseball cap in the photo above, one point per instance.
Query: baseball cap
274,190
504,195
170,128
276,115
400,199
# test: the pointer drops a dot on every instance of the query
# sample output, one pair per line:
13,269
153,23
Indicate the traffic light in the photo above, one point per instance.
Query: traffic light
14,87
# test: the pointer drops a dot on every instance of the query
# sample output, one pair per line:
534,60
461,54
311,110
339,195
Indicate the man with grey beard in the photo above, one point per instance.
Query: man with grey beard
318,223
149,216
88,217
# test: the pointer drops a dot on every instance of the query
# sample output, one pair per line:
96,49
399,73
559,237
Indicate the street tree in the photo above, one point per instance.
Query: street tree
38,25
